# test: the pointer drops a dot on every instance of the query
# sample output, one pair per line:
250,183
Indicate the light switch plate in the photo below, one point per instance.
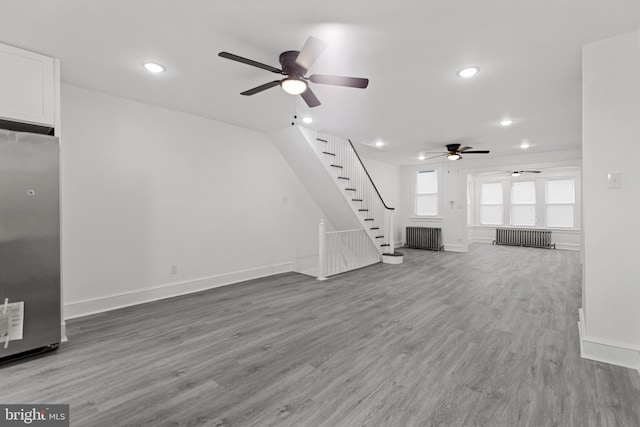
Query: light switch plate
614,180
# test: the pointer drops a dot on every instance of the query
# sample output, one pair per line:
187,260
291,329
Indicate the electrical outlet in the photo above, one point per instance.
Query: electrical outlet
174,268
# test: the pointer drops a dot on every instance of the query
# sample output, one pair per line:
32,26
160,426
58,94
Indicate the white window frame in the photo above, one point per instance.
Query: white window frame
573,205
416,194
480,204
511,204
541,199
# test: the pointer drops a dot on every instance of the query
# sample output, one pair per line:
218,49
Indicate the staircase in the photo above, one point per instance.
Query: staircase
332,171
354,179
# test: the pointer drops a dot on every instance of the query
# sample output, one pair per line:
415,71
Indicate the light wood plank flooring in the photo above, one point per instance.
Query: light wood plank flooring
487,338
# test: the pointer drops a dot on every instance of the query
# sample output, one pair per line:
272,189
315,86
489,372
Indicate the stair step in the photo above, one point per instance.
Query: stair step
374,228
344,177
385,244
350,189
322,140
363,210
368,219
336,166
356,200
379,237
326,152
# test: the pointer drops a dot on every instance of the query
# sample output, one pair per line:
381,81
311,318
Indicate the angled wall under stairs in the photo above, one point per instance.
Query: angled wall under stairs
294,145
332,172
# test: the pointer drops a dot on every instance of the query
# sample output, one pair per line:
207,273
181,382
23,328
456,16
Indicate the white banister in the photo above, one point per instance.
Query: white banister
348,250
341,251
375,216
322,247
389,230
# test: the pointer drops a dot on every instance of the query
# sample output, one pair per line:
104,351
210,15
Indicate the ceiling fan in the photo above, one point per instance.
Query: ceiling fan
518,173
454,152
295,65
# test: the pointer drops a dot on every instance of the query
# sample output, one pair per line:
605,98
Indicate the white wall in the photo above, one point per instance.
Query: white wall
386,177
453,197
452,217
611,143
145,187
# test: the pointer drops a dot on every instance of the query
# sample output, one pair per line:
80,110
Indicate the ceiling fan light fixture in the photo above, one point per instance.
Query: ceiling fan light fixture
515,173
506,122
524,145
293,86
453,156
421,157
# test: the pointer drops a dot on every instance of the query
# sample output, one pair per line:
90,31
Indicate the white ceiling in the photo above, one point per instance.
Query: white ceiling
529,53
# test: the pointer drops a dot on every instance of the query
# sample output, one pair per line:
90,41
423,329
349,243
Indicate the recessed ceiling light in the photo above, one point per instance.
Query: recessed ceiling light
379,144
307,120
153,67
506,122
524,145
468,72
421,158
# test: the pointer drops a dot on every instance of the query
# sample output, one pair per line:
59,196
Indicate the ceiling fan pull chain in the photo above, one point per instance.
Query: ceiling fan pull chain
295,111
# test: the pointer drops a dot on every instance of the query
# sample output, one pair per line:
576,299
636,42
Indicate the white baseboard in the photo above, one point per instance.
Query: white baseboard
86,307
398,244
607,351
485,240
561,246
454,248
568,246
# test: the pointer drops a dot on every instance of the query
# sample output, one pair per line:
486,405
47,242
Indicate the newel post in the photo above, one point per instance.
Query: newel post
389,229
322,250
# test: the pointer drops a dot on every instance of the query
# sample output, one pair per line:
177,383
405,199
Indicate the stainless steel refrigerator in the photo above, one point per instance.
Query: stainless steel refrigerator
29,244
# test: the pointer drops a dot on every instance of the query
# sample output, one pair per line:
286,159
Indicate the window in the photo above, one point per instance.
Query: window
469,207
491,204
427,193
523,203
560,195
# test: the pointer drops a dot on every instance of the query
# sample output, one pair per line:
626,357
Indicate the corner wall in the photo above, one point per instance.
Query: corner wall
610,320
145,188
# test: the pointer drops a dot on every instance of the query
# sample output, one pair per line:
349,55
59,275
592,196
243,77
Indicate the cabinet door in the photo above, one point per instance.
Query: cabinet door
26,86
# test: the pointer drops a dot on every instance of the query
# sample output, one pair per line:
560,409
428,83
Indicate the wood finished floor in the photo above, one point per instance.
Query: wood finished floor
487,338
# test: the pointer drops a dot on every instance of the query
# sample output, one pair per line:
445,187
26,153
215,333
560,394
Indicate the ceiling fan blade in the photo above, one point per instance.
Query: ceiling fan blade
453,147
465,148
261,88
530,171
439,155
310,98
233,57
477,152
311,50
324,79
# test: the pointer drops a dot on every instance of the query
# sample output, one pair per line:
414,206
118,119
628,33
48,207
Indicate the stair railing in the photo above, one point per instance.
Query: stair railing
344,250
377,216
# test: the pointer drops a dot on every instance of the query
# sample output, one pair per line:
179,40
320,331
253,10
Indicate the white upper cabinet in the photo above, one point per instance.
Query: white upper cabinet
27,86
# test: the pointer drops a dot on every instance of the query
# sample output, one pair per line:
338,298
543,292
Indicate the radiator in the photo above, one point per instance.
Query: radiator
524,237
424,238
